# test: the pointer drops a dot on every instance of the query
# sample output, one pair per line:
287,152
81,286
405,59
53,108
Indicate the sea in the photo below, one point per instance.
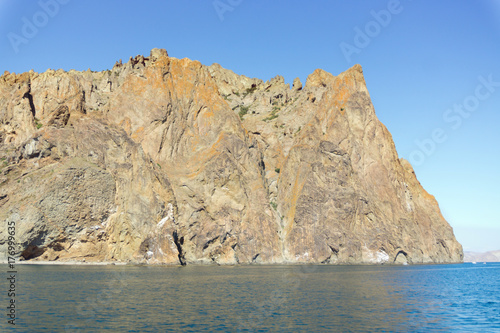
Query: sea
255,298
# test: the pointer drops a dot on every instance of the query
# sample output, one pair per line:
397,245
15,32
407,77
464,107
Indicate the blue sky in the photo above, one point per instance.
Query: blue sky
425,64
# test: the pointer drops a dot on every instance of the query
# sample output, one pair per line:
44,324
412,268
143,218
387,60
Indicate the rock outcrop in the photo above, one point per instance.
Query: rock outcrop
165,160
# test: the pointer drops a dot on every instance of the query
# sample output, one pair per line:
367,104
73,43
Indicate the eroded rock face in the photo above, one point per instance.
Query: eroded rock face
165,160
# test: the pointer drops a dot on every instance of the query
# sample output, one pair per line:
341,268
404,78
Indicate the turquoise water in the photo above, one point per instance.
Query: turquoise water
459,298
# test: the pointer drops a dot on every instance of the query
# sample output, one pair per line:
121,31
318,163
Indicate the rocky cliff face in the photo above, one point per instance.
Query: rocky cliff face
165,160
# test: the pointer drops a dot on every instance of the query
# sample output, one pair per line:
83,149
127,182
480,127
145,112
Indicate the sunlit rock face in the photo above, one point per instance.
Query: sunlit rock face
165,160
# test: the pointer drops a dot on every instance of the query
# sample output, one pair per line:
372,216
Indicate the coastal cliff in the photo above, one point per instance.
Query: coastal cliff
165,160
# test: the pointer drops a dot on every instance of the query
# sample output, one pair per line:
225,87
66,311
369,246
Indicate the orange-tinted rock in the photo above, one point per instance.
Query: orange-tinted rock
165,160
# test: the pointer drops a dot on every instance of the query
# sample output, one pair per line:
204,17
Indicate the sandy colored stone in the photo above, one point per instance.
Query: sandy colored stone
165,160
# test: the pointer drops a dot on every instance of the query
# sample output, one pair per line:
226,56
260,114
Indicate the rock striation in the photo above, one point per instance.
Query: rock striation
165,160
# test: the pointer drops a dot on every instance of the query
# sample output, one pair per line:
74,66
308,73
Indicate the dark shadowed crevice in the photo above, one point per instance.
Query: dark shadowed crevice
333,257
210,242
32,251
32,105
401,258
178,242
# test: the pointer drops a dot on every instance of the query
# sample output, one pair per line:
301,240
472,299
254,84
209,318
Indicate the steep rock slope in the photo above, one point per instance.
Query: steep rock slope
165,160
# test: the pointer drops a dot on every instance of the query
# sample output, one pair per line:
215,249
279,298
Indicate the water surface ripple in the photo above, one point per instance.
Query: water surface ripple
462,297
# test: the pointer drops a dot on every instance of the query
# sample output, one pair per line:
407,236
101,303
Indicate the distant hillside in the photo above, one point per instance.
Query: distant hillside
491,256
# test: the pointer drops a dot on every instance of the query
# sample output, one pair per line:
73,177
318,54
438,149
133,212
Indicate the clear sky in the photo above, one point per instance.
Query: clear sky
432,69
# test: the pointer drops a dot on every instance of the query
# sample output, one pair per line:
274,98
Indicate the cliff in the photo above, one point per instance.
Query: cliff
165,160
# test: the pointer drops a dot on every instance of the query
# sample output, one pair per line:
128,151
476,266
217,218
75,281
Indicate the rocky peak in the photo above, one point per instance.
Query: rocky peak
297,85
157,54
319,78
229,82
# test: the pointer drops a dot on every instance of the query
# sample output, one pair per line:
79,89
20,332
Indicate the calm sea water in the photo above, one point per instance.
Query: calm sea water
459,298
